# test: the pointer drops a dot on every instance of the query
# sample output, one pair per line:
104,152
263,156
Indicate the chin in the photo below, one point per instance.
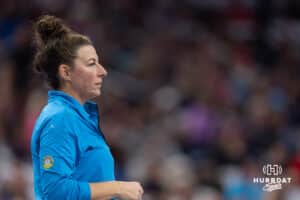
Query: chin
97,93
94,95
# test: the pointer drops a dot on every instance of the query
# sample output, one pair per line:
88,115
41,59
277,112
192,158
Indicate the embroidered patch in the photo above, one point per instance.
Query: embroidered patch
48,162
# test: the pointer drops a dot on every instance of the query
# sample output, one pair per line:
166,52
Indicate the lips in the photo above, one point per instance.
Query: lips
98,85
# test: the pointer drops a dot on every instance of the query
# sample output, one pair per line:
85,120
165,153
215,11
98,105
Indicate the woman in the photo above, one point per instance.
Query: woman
71,159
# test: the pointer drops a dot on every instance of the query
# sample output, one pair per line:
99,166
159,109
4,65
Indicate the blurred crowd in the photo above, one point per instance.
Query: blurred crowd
200,94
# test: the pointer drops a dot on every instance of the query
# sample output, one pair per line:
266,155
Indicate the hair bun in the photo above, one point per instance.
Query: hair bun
49,28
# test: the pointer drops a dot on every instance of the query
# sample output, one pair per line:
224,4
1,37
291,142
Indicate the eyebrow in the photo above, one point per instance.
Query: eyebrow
89,59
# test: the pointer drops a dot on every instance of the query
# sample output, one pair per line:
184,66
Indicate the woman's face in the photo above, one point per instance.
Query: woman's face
87,74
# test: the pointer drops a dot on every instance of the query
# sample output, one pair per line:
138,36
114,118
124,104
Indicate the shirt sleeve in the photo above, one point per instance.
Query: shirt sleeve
57,161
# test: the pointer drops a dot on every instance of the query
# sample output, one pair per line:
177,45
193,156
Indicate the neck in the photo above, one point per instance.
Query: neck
73,94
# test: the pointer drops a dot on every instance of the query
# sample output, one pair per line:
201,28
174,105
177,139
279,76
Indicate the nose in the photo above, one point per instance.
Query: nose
102,71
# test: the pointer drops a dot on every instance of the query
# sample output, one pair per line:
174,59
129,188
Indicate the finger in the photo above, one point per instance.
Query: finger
141,188
140,197
141,194
140,191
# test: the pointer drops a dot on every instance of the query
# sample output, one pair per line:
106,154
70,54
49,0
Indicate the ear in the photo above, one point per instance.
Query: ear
64,72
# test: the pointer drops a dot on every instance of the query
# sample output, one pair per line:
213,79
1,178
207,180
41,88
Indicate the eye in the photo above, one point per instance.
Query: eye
92,64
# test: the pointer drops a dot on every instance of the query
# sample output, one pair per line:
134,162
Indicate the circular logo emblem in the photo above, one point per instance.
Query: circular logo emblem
48,162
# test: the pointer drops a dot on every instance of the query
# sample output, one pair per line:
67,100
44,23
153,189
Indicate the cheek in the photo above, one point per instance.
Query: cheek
84,79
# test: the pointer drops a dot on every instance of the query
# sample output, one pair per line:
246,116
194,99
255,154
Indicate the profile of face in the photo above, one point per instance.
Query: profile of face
85,78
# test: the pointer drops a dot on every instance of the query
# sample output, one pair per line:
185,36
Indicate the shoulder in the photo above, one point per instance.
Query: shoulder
58,111
55,115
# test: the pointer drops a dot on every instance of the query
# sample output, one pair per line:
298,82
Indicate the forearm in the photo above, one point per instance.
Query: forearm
55,186
104,190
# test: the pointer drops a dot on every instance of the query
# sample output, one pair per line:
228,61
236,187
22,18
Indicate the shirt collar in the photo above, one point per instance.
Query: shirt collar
86,110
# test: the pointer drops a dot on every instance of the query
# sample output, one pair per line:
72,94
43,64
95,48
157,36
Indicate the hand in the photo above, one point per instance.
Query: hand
130,190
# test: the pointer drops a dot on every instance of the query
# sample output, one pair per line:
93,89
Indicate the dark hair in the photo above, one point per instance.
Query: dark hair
55,44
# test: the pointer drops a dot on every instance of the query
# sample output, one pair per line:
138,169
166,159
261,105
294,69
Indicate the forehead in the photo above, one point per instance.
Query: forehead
87,52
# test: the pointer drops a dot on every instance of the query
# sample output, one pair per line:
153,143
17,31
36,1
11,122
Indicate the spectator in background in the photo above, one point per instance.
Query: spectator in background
214,81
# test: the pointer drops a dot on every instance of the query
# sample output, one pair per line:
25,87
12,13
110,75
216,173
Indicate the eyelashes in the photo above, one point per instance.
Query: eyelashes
91,64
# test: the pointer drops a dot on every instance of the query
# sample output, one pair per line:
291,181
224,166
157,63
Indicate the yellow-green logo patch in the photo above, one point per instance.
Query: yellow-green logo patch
48,162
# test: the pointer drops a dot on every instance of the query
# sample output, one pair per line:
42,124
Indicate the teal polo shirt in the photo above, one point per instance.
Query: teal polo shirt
69,150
